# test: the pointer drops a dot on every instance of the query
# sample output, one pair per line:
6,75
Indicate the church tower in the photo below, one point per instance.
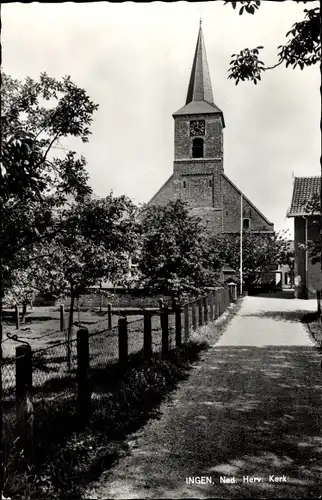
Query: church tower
198,176
198,139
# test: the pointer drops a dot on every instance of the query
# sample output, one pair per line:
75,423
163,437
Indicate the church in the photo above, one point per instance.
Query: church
198,176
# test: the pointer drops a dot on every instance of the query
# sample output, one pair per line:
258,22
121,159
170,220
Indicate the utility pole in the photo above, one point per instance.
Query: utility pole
241,243
321,187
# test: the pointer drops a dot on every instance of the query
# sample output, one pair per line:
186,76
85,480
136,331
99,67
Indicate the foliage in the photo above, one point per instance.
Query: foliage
69,460
261,251
95,241
302,49
174,254
313,209
39,175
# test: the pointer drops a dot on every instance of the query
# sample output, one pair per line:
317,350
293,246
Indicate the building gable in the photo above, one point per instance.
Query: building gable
305,189
231,197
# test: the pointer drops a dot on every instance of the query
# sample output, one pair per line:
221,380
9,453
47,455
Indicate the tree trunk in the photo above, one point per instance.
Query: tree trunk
70,325
24,312
2,479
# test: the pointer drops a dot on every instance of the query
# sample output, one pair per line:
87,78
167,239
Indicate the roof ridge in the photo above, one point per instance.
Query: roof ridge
308,177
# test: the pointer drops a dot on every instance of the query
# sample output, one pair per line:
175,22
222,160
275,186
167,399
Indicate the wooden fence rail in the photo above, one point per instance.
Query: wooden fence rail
188,317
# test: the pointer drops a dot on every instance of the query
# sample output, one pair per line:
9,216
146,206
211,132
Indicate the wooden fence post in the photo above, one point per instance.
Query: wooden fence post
211,303
147,335
62,317
200,322
194,315
84,393
165,329
109,316
205,308
123,341
17,318
178,326
186,322
318,298
24,406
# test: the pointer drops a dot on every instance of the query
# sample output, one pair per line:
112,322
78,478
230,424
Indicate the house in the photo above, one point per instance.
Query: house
307,224
198,176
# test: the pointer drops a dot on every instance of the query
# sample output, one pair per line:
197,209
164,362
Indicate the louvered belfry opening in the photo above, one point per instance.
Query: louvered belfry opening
197,148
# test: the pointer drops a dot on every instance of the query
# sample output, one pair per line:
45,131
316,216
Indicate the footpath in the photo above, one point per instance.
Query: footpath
246,423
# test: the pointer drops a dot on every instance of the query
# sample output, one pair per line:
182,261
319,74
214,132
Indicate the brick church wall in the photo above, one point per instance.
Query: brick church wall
165,194
231,211
213,138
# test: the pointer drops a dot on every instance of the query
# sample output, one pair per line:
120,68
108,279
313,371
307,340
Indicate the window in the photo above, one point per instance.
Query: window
246,223
210,183
184,184
197,148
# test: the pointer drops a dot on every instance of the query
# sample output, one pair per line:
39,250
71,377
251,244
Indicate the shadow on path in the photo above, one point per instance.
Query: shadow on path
245,411
295,316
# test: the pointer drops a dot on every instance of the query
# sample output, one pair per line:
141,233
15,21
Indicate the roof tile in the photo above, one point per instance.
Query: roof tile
304,190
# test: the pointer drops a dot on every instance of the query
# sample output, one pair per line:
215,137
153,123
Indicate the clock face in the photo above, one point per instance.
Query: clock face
197,127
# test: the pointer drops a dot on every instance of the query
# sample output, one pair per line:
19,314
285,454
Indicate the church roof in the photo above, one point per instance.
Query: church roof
199,96
305,189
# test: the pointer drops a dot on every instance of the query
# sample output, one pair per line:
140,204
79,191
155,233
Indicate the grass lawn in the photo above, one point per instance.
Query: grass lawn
69,457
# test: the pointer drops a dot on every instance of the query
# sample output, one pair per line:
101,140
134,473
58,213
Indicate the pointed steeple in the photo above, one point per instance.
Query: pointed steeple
200,85
199,96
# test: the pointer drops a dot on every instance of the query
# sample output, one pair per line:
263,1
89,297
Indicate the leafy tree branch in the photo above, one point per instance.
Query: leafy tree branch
302,49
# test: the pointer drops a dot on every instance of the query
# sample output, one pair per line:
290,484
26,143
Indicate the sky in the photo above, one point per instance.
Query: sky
134,60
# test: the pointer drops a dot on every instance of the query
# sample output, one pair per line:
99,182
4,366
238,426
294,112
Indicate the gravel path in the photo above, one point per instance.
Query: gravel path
248,420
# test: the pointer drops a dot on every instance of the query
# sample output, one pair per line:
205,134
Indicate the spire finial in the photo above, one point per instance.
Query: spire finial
200,22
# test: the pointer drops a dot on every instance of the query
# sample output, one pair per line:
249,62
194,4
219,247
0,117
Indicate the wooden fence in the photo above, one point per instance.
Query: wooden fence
188,317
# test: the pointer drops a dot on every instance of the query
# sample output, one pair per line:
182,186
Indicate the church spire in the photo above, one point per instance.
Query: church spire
200,85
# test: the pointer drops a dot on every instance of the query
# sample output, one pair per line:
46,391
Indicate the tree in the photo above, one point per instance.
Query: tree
35,117
175,257
302,49
261,252
95,242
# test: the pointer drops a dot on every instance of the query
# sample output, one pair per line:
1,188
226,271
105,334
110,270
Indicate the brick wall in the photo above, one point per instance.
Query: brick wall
314,270
231,211
93,300
213,138
211,217
165,194
312,282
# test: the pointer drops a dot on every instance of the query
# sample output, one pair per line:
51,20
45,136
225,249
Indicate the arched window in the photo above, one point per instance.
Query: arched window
197,148
246,223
